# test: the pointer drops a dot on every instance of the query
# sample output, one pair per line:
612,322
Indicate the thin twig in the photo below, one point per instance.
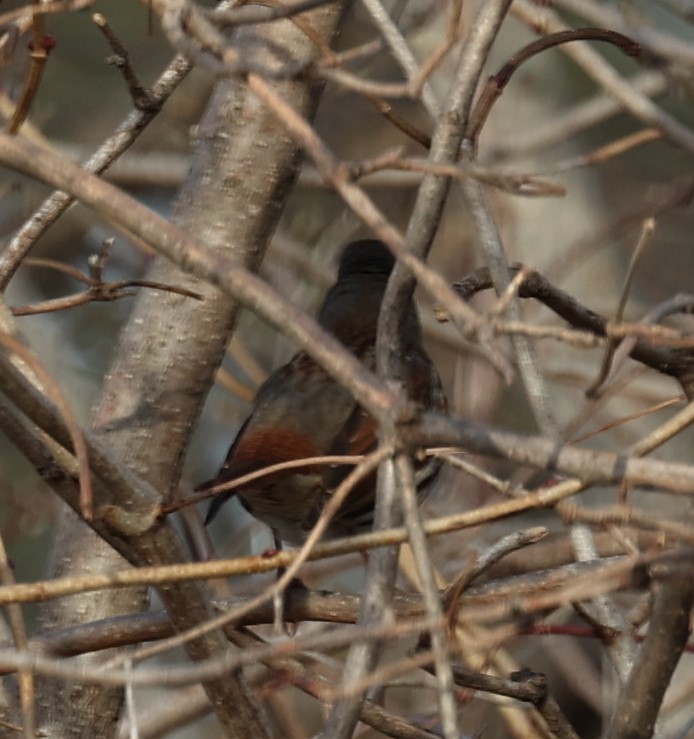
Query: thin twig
27,691
141,97
78,443
40,47
598,385
121,139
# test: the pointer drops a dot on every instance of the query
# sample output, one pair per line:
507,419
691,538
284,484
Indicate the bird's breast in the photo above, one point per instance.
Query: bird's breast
286,504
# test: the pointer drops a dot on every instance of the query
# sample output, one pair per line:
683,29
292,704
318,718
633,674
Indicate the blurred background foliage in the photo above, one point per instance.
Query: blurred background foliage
583,241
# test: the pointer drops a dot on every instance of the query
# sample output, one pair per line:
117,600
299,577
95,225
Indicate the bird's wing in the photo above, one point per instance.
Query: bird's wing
359,436
222,476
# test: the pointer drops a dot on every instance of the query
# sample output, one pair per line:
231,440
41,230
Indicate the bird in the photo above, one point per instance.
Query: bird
300,411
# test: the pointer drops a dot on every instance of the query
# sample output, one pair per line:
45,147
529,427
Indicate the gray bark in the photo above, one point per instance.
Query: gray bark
243,167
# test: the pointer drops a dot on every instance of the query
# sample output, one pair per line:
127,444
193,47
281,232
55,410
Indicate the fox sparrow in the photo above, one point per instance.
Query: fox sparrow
300,412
